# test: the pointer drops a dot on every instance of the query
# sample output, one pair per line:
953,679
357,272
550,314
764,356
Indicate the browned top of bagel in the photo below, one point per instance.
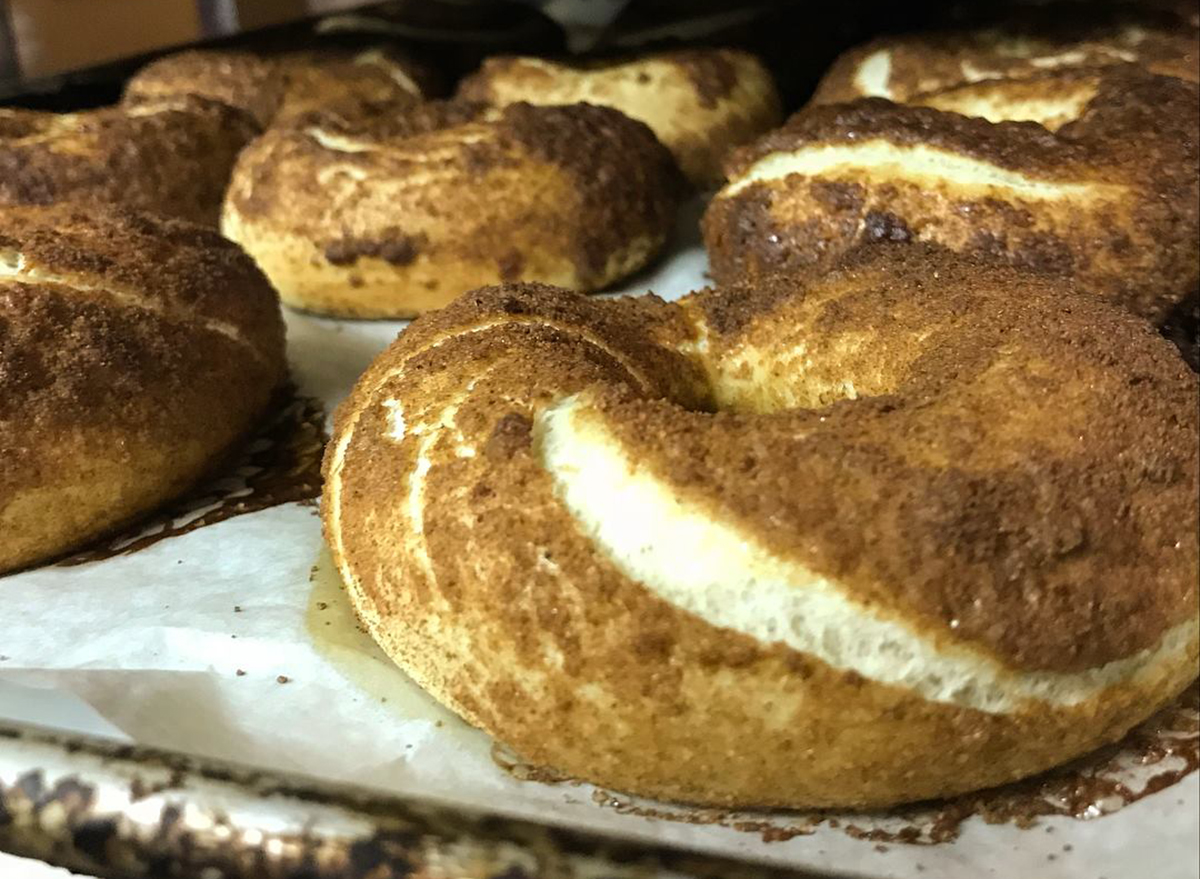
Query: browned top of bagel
1059,36
275,86
430,152
1126,104
190,268
1107,193
167,157
239,79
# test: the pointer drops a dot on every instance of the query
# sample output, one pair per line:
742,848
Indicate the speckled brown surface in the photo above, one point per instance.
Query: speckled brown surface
700,103
1018,479
235,78
1130,234
276,86
401,211
1166,748
171,158
133,352
280,463
1056,36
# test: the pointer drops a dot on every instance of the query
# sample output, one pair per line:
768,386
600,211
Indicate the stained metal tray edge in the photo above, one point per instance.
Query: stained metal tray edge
121,811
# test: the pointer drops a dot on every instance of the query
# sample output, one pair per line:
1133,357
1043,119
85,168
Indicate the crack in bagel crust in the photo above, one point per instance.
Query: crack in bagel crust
1018,101
1099,181
15,267
883,162
725,577
918,507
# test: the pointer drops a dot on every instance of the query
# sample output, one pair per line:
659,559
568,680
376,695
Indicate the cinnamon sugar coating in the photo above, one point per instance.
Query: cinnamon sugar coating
1109,198
170,158
1056,542
134,351
699,102
275,87
1005,465
1056,36
355,211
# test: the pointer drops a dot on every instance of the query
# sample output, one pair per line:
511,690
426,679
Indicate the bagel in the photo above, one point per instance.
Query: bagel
1099,183
900,68
135,352
171,158
280,86
362,213
699,102
914,527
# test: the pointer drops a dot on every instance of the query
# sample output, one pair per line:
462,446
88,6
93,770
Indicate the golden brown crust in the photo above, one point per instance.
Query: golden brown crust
359,212
1120,214
133,352
1049,39
238,79
1019,479
274,87
170,158
322,78
700,103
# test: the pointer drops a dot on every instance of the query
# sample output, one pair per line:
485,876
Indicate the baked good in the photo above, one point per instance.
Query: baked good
699,102
167,157
363,213
235,78
1057,37
1098,182
134,352
277,86
916,526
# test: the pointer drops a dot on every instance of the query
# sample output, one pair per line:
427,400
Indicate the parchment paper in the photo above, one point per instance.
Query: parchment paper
234,641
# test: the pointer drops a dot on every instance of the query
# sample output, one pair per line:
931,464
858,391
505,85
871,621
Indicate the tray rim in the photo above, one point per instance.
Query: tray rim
121,811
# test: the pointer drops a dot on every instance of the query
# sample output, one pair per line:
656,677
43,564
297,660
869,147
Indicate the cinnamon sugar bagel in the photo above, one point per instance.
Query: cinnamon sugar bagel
699,102
134,351
170,158
1099,181
900,68
276,87
914,527
369,214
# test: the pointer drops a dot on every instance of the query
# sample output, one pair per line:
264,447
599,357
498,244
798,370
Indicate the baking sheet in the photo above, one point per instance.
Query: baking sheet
233,640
